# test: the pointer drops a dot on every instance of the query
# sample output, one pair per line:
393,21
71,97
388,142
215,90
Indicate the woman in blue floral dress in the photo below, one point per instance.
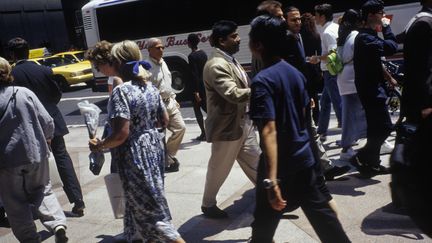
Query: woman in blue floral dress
136,112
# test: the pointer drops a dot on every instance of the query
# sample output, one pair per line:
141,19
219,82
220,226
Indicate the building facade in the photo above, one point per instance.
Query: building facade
55,24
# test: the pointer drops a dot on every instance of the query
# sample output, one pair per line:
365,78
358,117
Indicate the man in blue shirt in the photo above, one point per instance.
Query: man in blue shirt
369,81
287,169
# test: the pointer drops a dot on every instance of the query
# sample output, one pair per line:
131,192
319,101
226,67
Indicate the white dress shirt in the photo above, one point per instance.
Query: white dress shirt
161,78
329,35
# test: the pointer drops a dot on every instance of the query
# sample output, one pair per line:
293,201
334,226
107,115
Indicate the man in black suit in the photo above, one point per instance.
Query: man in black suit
39,79
294,54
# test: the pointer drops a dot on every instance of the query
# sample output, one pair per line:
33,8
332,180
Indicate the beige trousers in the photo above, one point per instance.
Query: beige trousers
177,127
245,150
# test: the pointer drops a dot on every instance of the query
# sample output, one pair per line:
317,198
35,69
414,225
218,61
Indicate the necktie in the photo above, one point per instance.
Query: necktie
300,46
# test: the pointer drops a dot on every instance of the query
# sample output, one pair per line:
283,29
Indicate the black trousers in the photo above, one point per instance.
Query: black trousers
411,181
305,189
197,106
379,127
66,170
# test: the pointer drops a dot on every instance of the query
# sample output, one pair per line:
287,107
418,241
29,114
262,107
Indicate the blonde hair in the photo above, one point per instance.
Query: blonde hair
5,72
124,52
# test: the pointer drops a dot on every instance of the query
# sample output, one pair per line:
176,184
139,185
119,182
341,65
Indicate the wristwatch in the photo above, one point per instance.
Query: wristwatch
270,183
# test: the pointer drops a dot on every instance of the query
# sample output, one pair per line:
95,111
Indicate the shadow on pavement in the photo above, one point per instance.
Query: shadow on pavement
76,88
382,222
190,144
45,234
227,241
198,228
111,239
350,186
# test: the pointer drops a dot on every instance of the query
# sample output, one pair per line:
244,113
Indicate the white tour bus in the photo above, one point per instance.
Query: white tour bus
172,21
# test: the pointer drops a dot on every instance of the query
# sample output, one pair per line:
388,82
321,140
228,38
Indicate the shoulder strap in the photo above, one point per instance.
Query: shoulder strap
9,101
417,16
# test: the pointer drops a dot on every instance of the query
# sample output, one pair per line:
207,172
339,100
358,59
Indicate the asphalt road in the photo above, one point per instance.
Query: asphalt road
68,105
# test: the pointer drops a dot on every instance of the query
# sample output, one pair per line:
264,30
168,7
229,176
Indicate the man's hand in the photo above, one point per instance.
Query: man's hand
275,198
197,97
312,103
314,59
426,112
392,83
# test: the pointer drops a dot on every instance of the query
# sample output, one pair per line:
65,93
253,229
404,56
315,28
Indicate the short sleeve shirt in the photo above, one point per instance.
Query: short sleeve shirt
279,94
329,37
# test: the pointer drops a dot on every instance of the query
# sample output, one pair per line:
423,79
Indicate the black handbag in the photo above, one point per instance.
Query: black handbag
405,132
400,165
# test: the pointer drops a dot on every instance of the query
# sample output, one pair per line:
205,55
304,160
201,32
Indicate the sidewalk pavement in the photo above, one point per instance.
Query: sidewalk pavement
363,205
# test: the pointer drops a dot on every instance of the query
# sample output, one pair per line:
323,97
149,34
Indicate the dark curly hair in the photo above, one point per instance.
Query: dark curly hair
350,21
19,48
193,40
308,25
101,53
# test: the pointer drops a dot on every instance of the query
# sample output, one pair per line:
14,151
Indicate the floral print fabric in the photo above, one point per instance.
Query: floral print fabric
141,159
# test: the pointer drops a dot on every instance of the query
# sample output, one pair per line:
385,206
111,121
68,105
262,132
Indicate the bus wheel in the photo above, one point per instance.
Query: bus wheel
178,82
180,76
62,82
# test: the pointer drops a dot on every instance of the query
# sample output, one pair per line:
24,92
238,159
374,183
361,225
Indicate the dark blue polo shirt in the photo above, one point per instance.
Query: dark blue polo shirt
278,94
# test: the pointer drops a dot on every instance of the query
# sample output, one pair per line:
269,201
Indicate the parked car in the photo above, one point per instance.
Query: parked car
67,72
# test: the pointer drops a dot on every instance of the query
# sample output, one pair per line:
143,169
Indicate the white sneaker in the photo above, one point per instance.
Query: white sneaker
386,148
346,156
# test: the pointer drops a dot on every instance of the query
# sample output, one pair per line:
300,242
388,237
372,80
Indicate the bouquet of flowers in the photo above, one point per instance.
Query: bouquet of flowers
91,117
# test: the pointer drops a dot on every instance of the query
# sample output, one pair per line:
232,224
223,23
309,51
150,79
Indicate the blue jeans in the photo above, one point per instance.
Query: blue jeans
353,120
330,95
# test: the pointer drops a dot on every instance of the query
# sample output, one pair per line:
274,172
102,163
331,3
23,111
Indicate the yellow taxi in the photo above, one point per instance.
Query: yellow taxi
39,52
75,56
67,72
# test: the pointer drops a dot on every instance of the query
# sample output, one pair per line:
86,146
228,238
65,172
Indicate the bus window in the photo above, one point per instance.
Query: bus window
172,21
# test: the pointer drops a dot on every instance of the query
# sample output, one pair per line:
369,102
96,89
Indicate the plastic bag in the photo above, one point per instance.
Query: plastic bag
91,117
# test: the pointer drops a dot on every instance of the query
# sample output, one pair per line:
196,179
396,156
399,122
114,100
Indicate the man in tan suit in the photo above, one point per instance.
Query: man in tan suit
227,126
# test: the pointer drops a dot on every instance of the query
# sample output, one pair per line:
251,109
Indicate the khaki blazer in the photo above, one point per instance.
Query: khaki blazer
227,97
